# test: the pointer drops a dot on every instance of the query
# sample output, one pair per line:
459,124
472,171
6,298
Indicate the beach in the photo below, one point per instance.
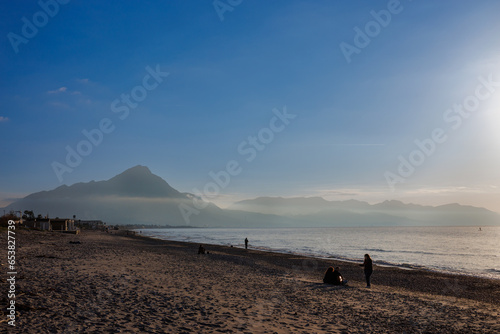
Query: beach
117,283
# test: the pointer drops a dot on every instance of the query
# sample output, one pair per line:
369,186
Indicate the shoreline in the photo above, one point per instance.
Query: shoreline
99,282
382,264
403,275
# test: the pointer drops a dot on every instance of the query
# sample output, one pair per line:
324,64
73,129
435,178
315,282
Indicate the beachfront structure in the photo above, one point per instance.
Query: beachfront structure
92,224
62,224
39,224
51,224
44,224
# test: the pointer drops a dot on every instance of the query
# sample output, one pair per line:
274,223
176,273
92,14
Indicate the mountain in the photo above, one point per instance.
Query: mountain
316,211
282,206
137,196
137,181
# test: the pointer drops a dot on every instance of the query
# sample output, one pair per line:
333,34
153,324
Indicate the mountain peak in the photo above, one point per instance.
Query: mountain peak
134,182
139,181
136,170
139,168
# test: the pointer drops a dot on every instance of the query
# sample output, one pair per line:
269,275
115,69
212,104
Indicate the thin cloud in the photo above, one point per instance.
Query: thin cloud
3,119
8,200
11,199
57,91
358,144
334,193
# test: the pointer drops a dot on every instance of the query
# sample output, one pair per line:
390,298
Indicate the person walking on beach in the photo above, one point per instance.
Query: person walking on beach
246,243
368,269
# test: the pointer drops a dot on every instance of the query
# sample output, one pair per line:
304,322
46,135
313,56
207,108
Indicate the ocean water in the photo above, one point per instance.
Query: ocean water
464,250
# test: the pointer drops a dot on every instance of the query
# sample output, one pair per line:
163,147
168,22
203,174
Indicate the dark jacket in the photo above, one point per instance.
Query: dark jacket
368,266
333,277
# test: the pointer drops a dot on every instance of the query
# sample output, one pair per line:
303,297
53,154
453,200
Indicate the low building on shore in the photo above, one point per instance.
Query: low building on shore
42,224
51,224
92,225
62,224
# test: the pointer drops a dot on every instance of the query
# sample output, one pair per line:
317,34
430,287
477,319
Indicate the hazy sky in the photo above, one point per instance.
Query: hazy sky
370,100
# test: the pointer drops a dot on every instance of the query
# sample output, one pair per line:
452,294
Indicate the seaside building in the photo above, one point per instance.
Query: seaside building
44,224
62,224
39,224
51,224
92,224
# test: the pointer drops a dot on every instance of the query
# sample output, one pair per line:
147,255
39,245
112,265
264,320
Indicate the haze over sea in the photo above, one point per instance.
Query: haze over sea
464,250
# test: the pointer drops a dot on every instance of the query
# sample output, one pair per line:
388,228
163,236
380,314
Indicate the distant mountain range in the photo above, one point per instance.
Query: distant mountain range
137,196
317,211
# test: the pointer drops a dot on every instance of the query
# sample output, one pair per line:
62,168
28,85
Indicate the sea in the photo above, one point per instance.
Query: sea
473,251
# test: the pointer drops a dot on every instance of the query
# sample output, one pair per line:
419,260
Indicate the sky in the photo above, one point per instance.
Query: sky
234,99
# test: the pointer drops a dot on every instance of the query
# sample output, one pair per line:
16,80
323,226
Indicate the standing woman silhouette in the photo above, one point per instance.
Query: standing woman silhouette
368,269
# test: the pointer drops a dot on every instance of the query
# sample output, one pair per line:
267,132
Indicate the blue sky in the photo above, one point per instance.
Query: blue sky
356,114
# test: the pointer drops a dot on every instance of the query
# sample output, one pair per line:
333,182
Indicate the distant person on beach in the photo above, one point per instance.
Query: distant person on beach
201,250
333,276
368,269
328,279
338,277
246,243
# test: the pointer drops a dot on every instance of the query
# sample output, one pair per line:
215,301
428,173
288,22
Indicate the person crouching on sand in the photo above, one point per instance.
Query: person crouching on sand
328,279
368,269
333,276
339,278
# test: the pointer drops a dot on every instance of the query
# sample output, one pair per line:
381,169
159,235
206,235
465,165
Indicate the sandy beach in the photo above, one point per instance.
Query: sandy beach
96,282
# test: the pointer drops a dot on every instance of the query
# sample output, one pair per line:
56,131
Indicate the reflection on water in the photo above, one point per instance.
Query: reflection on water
466,250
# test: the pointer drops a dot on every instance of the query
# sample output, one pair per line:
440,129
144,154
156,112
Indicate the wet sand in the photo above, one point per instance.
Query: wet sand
122,284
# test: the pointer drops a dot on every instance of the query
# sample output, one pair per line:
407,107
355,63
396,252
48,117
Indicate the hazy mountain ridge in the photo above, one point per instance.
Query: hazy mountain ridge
138,196
133,197
390,212
137,181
